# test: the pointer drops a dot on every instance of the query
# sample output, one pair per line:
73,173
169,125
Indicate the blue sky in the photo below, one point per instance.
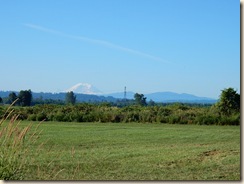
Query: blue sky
148,46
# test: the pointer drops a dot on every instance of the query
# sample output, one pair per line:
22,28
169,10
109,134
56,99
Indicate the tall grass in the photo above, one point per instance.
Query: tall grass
21,151
16,154
14,147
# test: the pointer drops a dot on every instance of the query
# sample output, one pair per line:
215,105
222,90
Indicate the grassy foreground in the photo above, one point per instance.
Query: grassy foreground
120,151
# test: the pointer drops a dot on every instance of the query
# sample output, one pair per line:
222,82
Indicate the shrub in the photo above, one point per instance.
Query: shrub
1,112
59,116
164,112
206,120
41,117
31,117
230,120
173,119
162,119
116,118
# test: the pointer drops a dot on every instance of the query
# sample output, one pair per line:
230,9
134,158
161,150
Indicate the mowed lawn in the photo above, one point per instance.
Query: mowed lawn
134,151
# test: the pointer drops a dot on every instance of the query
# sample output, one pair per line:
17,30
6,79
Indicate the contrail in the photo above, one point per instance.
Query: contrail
95,41
40,28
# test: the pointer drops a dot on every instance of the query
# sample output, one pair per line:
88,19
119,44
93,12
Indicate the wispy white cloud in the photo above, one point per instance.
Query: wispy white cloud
40,28
95,41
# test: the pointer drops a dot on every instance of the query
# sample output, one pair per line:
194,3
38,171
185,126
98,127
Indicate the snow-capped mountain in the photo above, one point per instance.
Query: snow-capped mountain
88,89
84,88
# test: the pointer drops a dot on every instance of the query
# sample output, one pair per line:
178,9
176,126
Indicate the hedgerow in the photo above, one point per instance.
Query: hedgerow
84,112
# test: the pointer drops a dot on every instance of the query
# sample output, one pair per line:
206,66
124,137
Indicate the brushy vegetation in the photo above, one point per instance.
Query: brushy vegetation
172,114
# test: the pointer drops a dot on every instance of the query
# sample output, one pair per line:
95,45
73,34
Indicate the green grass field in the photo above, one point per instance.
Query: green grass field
120,151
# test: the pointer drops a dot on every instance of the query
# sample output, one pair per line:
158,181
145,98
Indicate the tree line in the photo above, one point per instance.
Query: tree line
71,98
225,112
24,98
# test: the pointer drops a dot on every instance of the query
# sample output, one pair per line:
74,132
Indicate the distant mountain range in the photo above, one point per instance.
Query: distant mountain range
166,97
88,93
89,89
61,96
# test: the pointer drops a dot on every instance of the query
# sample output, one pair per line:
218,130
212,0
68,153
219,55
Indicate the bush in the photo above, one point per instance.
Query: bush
230,120
116,118
59,116
31,117
207,120
41,117
132,117
174,119
162,119
1,112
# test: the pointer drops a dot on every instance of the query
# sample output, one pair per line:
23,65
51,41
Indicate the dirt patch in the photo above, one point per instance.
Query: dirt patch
210,153
235,152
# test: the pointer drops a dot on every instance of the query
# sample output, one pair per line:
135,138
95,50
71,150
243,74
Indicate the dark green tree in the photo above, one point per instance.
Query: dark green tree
229,102
1,100
70,98
140,99
151,103
12,97
25,97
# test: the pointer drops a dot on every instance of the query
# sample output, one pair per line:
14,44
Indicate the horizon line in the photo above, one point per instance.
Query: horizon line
105,94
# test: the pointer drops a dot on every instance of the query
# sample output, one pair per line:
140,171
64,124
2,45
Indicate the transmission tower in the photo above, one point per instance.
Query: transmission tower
125,94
